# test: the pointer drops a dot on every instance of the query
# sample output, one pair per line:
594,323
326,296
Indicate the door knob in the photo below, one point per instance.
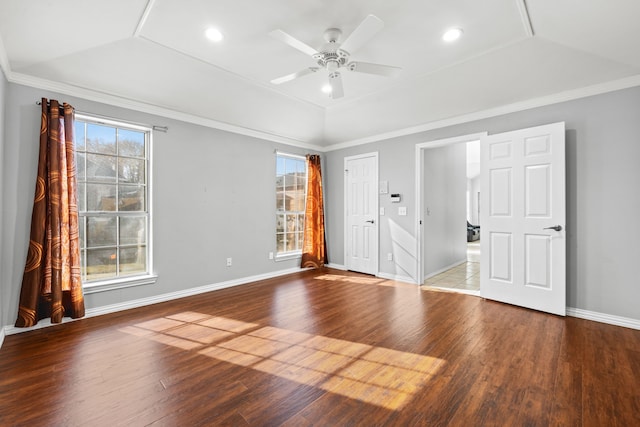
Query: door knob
370,221
555,227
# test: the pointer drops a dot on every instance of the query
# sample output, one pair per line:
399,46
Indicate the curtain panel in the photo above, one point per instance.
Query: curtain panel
51,283
314,248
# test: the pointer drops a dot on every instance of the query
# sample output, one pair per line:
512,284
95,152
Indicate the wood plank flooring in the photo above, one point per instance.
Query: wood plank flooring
323,348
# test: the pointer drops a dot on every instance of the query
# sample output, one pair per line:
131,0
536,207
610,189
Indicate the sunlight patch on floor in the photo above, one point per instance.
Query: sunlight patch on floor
376,375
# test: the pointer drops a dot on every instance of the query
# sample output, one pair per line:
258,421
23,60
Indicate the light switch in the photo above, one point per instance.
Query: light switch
402,210
381,211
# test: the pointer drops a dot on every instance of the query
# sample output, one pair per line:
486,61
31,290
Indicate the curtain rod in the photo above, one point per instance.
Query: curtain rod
163,129
60,107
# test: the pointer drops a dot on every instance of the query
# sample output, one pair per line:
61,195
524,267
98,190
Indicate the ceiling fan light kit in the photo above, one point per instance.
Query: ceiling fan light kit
334,55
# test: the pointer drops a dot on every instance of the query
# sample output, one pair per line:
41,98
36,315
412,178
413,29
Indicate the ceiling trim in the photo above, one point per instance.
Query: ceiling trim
556,98
120,101
526,19
144,17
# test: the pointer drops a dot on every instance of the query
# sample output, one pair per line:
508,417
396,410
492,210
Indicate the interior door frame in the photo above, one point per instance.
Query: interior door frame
376,227
419,176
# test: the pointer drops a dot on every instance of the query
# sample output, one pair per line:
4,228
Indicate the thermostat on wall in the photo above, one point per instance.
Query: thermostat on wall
395,198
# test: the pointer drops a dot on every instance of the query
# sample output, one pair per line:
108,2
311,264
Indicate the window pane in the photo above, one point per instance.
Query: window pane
78,135
101,139
291,242
131,198
130,143
81,221
280,242
280,200
290,166
133,260
101,197
300,222
101,263
80,166
300,240
101,231
301,167
295,201
131,171
280,221
101,168
82,199
280,166
291,222
133,230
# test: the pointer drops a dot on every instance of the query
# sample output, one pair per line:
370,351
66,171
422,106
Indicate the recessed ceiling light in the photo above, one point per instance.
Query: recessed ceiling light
452,34
214,34
326,88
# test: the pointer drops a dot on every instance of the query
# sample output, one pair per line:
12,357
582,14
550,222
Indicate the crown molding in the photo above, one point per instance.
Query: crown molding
123,102
569,95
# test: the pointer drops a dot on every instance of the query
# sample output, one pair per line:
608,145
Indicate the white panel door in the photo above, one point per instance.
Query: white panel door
361,202
522,218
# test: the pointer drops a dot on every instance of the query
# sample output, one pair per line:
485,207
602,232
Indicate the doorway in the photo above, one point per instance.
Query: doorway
447,187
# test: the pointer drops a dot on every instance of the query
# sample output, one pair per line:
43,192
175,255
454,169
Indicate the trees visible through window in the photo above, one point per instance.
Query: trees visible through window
112,161
291,182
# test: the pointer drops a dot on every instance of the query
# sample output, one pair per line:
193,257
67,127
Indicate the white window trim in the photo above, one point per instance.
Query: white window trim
149,277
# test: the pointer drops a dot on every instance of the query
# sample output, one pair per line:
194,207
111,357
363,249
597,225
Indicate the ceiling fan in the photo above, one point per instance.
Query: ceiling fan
333,55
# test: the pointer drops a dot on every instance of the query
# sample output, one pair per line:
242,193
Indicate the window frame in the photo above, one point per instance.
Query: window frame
287,255
128,280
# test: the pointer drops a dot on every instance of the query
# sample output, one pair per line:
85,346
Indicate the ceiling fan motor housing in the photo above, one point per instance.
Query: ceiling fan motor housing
330,56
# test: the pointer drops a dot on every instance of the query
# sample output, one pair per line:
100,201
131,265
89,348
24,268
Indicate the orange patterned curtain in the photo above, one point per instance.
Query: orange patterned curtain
314,248
51,284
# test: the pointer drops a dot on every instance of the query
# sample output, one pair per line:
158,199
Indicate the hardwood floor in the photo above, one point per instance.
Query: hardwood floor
323,348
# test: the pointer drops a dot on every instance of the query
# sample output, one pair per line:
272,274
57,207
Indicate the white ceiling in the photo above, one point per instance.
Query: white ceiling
154,52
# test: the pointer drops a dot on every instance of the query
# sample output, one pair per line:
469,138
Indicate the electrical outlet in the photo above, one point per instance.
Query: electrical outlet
402,210
229,262
270,255
389,256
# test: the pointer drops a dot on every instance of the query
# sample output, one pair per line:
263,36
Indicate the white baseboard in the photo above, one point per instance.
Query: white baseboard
603,318
1,335
397,278
442,270
112,308
337,266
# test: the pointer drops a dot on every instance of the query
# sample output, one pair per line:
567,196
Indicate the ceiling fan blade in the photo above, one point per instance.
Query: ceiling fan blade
369,68
366,30
293,42
294,76
335,81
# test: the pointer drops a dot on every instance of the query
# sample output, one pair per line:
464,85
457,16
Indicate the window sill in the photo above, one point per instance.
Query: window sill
288,257
125,282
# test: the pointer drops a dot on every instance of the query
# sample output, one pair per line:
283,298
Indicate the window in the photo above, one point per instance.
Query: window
112,162
291,185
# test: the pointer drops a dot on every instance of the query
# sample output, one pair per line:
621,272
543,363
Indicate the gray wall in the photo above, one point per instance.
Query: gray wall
213,198
473,186
444,189
3,96
603,151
